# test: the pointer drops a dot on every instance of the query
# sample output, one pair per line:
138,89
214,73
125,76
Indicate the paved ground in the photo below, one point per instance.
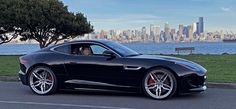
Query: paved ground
14,95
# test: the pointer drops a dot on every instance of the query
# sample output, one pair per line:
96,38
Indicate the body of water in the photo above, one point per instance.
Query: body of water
144,48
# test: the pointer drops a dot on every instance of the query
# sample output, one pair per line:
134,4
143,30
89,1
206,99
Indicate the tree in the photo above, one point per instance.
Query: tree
4,37
6,23
46,21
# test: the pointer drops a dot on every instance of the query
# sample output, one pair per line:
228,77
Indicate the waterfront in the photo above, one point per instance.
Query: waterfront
144,48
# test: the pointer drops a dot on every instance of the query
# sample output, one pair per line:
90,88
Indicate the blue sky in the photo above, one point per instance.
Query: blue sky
133,14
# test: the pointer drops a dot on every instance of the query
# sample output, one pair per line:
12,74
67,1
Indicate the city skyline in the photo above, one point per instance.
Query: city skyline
122,14
193,32
184,33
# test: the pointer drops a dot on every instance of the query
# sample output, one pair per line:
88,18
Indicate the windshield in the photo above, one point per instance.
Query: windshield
121,49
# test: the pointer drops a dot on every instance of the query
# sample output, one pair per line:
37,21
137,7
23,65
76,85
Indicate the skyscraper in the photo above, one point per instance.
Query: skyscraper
167,28
194,27
172,33
156,30
181,29
190,32
167,32
102,34
151,35
138,34
200,25
144,33
151,29
185,31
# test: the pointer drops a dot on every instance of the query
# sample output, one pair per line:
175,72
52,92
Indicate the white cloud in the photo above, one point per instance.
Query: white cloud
226,9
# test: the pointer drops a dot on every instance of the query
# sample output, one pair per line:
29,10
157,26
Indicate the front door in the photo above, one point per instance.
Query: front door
88,64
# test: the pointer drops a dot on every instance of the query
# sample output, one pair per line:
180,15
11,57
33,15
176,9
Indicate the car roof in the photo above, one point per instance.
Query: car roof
83,40
90,40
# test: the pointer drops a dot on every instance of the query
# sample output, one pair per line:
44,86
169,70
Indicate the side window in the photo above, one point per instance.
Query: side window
63,49
97,50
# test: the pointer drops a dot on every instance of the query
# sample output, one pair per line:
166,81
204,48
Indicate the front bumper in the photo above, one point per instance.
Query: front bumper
199,89
192,83
23,78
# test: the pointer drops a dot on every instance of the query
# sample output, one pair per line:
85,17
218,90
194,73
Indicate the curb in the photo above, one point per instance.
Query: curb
209,84
9,78
221,85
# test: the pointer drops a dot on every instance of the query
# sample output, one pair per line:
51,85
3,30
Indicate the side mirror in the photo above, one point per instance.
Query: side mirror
109,53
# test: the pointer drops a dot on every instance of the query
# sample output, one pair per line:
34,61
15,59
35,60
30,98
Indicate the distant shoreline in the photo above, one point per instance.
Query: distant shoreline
167,48
141,42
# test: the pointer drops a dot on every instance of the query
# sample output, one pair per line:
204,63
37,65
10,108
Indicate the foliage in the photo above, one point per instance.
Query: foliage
46,21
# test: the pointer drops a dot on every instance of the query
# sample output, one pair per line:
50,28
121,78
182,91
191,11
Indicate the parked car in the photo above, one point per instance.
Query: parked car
103,64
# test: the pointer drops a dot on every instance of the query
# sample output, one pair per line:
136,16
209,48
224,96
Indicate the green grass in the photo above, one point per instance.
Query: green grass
9,65
221,68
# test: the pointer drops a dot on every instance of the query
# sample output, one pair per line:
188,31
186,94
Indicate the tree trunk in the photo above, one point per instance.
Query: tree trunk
42,45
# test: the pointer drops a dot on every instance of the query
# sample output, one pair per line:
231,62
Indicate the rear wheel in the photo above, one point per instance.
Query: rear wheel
159,84
42,80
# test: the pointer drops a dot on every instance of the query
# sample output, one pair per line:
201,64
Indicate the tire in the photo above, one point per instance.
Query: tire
159,84
42,80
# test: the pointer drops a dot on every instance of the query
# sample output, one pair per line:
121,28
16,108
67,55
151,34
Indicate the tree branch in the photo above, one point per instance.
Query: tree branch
9,40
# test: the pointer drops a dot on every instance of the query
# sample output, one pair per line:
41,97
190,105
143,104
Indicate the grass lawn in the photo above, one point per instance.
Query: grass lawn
221,68
9,65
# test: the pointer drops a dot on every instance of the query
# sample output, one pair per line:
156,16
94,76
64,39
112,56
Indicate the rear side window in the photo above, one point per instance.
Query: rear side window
64,49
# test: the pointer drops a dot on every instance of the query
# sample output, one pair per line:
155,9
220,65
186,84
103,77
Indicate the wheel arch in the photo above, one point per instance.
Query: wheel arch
164,67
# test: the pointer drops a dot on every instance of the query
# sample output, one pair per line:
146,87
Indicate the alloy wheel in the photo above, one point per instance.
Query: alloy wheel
159,84
41,80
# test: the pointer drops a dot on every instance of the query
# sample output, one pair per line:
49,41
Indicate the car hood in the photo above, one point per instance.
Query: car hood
183,62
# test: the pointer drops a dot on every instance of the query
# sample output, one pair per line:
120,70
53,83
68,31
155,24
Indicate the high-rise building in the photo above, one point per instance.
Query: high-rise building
137,33
162,36
185,31
156,33
167,28
112,33
156,30
200,25
102,34
151,35
144,30
194,27
132,34
172,34
190,32
167,32
144,33
198,28
181,29
151,29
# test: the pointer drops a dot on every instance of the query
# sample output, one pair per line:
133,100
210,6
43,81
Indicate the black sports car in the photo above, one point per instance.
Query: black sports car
107,65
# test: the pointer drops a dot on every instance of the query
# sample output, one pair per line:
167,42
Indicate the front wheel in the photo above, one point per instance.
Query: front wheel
159,84
42,81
